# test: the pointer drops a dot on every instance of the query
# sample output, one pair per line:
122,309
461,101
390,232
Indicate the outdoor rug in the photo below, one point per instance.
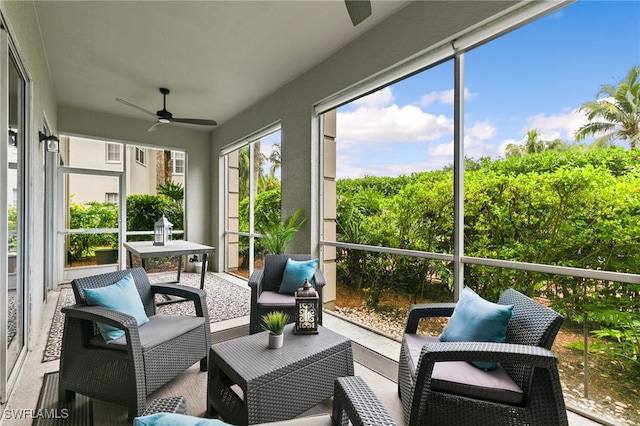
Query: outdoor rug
225,300
79,411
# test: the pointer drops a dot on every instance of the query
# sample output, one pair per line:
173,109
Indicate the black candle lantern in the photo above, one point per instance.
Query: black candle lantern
306,309
162,232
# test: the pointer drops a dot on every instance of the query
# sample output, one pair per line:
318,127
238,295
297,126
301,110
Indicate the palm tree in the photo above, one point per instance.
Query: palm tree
243,160
533,145
275,158
618,115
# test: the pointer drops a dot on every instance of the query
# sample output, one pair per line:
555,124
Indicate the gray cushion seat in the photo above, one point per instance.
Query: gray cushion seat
272,299
160,329
463,378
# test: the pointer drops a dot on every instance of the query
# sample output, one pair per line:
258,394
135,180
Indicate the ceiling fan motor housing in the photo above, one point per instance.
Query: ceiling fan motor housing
164,114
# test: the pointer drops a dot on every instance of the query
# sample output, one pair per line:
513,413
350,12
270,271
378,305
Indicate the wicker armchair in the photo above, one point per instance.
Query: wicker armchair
440,393
265,283
127,370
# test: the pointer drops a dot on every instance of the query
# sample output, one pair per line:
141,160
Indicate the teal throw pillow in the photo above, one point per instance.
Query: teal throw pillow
477,320
122,297
295,272
173,419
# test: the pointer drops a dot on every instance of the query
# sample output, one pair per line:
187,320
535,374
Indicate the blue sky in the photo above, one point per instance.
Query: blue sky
535,77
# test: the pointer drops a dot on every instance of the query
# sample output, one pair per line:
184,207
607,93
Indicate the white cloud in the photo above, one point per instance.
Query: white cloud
474,147
481,130
391,123
554,126
354,166
444,97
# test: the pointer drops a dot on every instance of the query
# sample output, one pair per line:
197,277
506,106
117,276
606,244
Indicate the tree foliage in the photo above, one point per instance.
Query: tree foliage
534,145
277,234
144,210
576,208
617,115
173,191
92,215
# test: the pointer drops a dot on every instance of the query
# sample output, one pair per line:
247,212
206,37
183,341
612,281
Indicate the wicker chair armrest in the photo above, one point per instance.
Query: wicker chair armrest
429,310
353,397
100,314
507,353
198,296
319,280
255,281
126,323
177,290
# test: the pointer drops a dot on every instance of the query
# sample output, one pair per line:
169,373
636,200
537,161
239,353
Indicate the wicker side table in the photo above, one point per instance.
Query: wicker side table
275,384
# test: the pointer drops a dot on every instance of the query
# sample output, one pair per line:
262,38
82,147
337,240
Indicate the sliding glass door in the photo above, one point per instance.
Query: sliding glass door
12,207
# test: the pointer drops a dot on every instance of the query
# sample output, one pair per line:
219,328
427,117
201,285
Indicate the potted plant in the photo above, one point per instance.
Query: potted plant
197,263
276,234
274,323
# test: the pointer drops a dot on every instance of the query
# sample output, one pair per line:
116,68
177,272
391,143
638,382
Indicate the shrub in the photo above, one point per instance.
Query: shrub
144,210
579,208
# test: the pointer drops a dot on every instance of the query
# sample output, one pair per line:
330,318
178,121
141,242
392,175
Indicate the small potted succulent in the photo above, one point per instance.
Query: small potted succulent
274,323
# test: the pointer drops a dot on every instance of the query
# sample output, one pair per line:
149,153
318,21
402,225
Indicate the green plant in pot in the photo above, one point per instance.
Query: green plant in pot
274,323
276,234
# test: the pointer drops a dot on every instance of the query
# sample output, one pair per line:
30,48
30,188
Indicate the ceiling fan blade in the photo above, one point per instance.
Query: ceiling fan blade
195,121
359,10
122,101
155,126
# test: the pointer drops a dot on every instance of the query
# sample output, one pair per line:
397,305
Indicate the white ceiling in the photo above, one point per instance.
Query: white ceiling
216,57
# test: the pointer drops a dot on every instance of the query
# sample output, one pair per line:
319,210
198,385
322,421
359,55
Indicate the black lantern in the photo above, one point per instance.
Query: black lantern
306,309
162,232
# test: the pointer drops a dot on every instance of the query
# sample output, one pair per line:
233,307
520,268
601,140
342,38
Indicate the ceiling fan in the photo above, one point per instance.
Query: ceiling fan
165,117
359,10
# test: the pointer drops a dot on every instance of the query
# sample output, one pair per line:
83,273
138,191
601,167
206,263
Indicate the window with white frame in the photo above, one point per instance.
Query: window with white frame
140,155
253,196
114,152
177,162
111,197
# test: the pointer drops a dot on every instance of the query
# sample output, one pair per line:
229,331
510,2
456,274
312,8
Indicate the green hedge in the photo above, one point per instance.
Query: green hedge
143,211
577,209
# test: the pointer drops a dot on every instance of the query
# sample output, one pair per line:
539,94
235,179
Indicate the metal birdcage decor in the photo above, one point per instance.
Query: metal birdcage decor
162,232
306,309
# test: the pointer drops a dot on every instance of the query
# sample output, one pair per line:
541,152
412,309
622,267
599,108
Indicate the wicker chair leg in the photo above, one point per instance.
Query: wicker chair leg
204,363
137,404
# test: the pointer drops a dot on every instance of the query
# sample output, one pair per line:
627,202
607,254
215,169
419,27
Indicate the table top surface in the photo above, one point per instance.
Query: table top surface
250,357
174,248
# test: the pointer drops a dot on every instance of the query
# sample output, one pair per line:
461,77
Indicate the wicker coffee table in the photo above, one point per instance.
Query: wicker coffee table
275,384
